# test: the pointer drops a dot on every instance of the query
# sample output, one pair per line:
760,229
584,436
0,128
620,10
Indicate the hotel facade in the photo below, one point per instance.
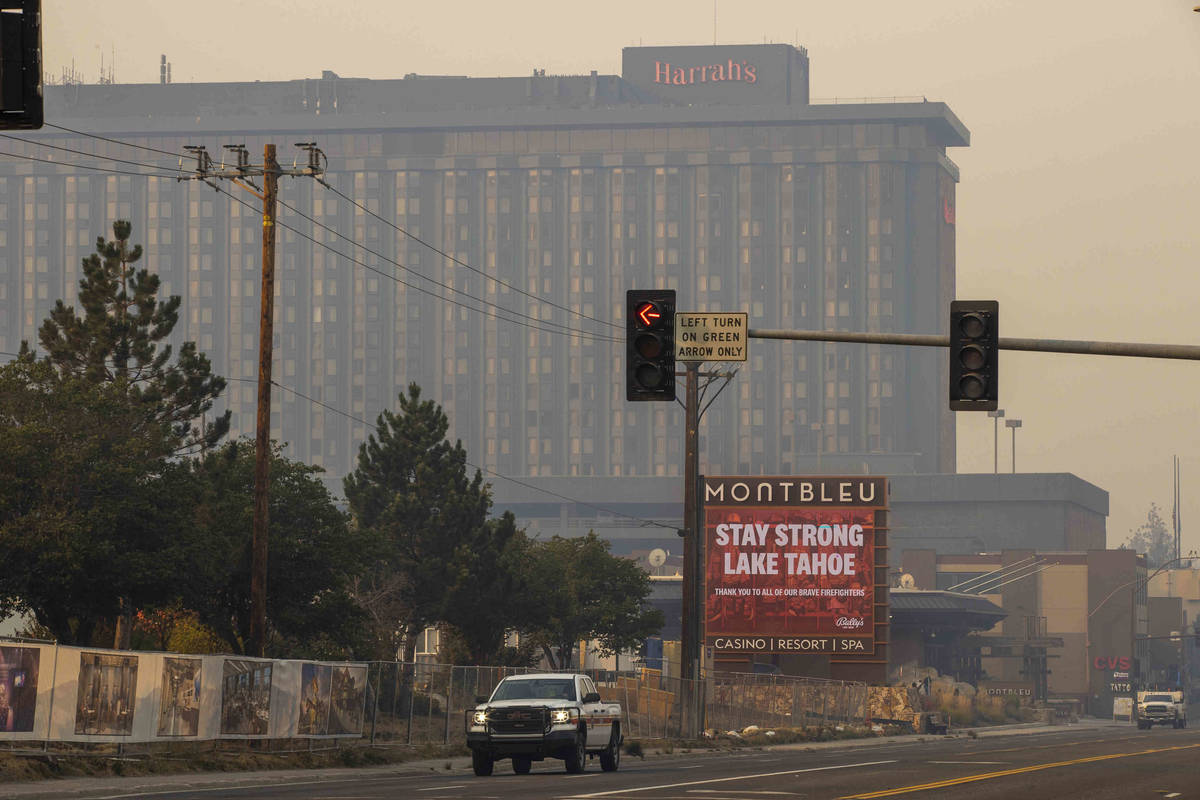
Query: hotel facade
496,225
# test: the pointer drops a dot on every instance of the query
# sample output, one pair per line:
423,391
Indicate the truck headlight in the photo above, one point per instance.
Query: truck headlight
479,718
560,715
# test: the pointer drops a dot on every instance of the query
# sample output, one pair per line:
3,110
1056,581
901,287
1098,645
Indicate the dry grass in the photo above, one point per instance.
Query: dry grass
43,766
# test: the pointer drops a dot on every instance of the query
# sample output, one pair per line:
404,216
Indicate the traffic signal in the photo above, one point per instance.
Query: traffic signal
974,350
650,344
20,64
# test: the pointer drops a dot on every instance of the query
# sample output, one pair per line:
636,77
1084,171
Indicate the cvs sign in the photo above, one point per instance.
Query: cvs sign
1108,663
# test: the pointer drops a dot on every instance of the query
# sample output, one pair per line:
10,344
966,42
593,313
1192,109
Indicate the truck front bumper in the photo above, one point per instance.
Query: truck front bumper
553,743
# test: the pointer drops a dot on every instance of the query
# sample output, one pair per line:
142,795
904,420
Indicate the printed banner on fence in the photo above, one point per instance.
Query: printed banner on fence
246,697
179,697
790,564
332,697
70,694
24,694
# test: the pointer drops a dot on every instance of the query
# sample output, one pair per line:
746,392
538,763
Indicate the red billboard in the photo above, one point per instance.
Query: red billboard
790,564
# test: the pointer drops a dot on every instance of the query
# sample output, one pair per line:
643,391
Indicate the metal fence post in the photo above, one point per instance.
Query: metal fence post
412,698
374,705
626,710
449,702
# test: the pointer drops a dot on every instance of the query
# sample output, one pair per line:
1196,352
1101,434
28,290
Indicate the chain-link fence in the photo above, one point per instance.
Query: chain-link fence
418,703
422,703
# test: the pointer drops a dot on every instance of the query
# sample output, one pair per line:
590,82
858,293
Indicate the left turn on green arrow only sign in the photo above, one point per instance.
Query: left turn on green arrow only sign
715,336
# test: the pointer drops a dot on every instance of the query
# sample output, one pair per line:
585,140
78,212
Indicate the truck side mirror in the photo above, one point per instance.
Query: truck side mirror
591,697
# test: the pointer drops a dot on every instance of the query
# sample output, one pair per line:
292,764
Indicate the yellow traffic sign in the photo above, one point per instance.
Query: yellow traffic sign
717,336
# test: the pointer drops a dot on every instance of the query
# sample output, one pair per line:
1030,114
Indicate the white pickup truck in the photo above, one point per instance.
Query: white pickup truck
1161,708
544,715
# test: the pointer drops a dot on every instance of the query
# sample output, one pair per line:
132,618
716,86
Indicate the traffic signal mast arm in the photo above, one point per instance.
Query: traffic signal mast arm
1133,349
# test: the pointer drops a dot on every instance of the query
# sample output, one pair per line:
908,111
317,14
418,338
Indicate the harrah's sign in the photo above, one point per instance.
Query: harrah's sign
668,73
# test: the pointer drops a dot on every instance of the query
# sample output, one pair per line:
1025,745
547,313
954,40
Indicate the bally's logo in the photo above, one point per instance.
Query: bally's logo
849,622
665,72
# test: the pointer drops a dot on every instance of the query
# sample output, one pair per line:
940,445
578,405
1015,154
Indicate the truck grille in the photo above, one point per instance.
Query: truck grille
519,720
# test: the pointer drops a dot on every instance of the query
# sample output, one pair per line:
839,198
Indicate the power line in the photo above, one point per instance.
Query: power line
491,309
114,141
458,261
480,468
553,328
565,328
80,152
74,165
373,426
354,202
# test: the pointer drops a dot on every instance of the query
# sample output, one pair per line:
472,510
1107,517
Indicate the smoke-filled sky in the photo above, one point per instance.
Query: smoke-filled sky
1078,207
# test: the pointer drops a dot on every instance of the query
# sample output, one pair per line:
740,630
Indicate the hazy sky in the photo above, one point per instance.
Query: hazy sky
1079,201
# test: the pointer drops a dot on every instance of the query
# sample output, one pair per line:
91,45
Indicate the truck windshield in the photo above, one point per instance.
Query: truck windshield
1157,698
536,689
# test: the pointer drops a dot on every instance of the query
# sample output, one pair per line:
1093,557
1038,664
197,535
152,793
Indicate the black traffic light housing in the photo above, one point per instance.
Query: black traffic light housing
20,64
974,351
649,344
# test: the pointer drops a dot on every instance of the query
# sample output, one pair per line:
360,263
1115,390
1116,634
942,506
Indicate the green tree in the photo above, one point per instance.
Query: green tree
119,341
82,524
486,576
88,432
1153,539
412,490
576,590
314,551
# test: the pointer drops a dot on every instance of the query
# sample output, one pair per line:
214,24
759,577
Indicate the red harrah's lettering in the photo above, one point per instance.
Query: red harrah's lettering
706,73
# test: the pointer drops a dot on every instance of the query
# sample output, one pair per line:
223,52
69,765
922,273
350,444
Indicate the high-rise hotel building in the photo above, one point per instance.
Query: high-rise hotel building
704,169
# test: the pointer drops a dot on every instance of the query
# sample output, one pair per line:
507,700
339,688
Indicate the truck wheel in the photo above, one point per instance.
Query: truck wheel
482,763
610,759
521,764
577,758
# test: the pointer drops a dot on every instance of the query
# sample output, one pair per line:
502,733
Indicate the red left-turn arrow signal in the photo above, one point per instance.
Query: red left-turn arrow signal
648,313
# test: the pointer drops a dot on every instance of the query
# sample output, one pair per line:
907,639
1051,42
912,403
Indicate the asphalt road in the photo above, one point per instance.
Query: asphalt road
1076,762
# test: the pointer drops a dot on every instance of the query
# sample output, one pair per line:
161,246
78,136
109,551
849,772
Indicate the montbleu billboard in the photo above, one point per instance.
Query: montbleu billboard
790,564
770,74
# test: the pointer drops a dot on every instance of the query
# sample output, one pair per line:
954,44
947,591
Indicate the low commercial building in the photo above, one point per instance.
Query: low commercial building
1076,623
1175,626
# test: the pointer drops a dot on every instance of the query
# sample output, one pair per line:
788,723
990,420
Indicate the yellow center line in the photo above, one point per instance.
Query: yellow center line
1002,773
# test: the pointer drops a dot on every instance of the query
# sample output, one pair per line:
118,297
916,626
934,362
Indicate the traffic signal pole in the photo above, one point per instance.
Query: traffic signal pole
693,580
1132,349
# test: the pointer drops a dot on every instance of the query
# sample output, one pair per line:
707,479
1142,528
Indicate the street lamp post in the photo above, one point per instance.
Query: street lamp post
1014,424
996,416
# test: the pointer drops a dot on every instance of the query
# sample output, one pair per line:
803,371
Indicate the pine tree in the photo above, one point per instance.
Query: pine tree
88,432
412,490
119,341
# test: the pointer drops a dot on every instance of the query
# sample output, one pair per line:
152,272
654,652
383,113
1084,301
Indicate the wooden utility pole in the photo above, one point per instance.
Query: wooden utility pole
241,174
693,566
262,433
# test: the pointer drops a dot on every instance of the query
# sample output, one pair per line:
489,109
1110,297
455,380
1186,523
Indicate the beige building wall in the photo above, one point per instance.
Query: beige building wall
1064,605
1182,583
1064,598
